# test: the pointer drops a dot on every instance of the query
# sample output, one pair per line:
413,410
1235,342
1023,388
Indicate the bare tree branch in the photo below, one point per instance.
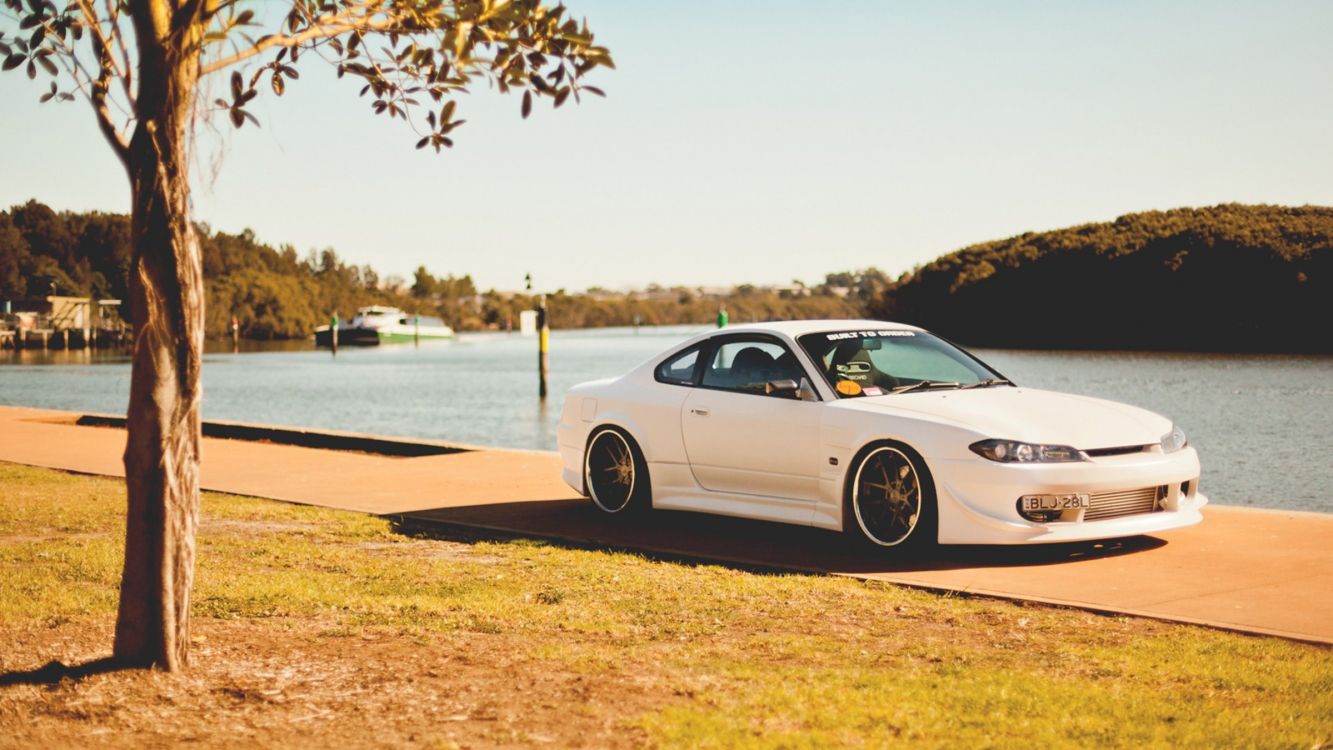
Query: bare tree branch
325,27
101,45
113,22
95,89
107,68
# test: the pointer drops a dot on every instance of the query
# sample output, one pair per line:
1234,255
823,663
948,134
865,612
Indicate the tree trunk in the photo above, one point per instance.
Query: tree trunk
167,301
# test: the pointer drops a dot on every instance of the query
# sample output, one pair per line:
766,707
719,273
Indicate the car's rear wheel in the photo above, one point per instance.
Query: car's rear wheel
614,472
891,499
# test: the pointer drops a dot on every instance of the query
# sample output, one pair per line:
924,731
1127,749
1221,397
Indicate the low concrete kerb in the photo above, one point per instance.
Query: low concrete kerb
307,437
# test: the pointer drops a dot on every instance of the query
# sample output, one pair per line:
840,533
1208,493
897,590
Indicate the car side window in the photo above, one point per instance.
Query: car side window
680,369
748,365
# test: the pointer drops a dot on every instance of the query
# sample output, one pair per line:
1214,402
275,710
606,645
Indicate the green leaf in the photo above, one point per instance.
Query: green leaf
47,65
237,86
13,61
527,104
278,86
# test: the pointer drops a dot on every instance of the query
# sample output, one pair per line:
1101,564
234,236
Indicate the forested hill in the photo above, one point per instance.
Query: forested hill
272,291
1226,278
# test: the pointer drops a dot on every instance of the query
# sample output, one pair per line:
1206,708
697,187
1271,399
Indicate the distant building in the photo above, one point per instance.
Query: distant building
83,318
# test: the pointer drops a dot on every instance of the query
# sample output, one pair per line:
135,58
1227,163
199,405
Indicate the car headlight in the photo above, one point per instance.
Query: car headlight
1012,451
1174,440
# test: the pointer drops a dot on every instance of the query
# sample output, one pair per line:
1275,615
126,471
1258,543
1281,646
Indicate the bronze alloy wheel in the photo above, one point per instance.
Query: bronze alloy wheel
610,471
887,497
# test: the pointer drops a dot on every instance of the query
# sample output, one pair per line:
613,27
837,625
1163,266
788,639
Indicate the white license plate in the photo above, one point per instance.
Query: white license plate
1070,501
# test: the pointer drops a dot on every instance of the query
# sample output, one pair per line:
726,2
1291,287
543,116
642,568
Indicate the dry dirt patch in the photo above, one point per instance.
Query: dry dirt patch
279,684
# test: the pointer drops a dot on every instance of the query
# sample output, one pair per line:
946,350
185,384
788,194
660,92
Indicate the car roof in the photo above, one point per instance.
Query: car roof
794,328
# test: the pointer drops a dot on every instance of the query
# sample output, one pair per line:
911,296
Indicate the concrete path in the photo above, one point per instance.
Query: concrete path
1258,571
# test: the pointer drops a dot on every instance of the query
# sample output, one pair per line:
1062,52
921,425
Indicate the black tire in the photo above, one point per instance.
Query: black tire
890,500
615,474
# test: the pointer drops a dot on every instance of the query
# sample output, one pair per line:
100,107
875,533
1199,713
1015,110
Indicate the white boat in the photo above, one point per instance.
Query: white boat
382,324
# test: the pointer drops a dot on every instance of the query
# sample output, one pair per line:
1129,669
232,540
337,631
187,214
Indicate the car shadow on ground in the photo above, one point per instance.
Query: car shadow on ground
699,537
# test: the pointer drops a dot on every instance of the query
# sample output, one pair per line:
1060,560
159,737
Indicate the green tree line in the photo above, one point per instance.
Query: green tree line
277,293
1225,278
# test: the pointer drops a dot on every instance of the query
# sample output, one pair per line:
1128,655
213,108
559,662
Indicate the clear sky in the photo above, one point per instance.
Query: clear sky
749,141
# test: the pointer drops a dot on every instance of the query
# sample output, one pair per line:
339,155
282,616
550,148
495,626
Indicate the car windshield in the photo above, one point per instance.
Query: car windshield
874,363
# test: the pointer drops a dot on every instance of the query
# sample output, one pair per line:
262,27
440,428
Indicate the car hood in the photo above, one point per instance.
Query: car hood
1029,414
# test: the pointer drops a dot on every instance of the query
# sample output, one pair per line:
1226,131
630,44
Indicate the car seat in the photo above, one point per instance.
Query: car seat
751,366
850,361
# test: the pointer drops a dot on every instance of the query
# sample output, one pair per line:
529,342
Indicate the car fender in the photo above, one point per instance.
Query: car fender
655,430
847,433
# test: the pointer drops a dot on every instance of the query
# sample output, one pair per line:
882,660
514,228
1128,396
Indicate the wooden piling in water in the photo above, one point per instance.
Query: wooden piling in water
543,347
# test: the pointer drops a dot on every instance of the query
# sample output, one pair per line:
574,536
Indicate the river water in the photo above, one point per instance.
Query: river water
1263,424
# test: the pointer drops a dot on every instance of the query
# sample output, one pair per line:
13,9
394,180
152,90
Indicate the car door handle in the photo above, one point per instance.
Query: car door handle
700,411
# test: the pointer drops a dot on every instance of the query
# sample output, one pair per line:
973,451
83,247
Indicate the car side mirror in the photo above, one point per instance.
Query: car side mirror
788,388
807,392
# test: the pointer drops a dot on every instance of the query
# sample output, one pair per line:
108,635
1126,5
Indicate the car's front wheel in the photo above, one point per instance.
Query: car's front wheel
891,499
614,472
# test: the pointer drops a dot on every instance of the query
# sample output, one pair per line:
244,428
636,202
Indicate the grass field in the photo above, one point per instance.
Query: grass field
321,627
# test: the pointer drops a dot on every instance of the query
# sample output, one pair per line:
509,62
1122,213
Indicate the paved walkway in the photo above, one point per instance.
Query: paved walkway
1258,571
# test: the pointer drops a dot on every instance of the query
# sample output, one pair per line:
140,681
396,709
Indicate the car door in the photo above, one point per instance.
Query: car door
740,440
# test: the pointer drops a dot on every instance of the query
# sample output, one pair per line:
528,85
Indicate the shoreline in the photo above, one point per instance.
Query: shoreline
223,344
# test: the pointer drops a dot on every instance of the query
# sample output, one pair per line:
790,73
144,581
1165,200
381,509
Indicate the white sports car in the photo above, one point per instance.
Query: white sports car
878,429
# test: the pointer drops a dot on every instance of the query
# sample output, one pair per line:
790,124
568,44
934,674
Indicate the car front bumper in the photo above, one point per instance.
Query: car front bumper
977,499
